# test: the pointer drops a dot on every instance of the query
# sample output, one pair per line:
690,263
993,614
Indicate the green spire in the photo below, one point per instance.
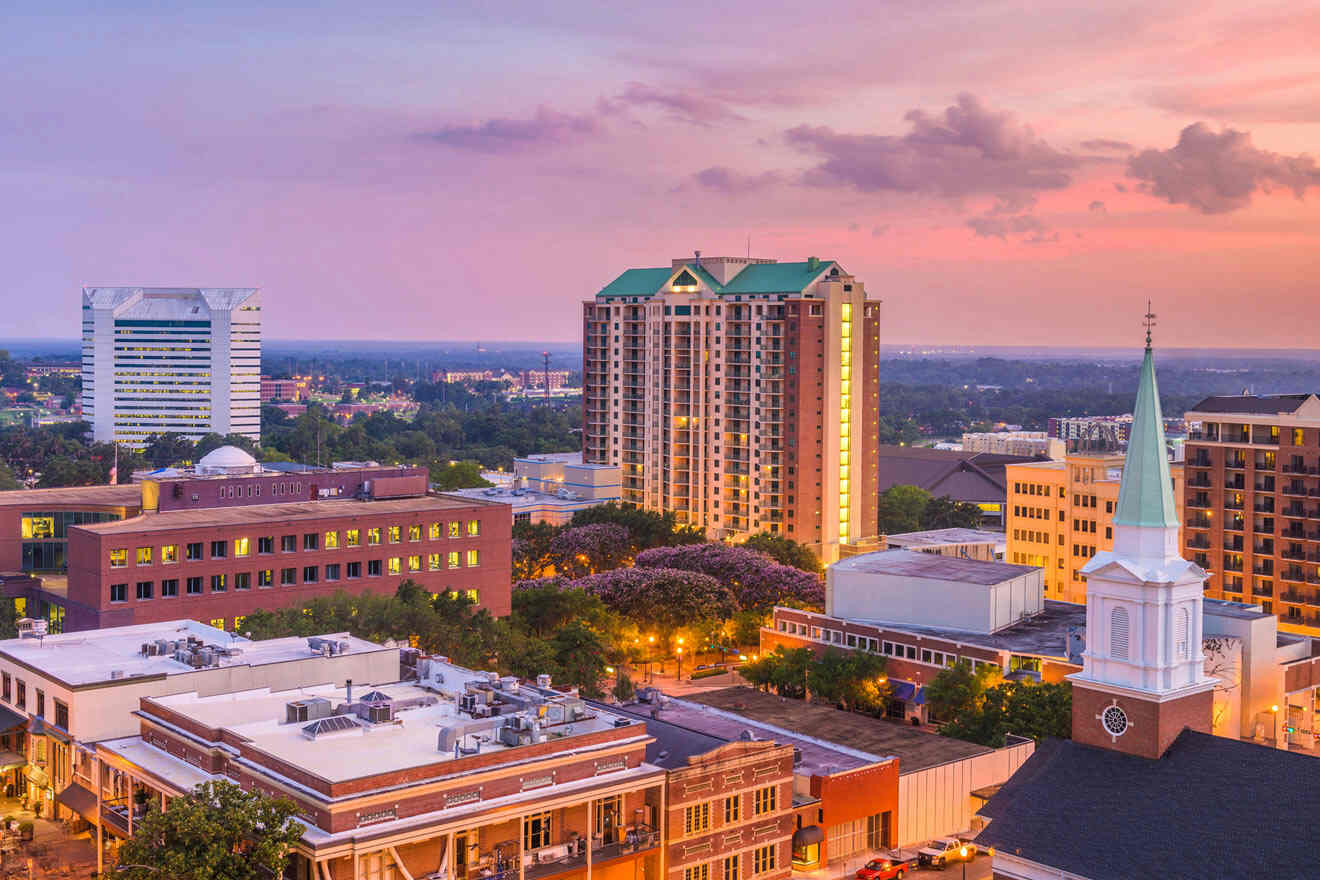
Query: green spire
1145,497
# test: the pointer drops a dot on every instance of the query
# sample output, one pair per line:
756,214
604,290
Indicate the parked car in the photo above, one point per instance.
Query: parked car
886,868
945,851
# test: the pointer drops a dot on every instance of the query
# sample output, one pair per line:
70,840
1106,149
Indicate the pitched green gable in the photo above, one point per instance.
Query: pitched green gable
777,277
637,282
1145,497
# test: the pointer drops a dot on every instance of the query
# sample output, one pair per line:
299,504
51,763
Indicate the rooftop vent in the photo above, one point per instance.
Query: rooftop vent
312,709
376,697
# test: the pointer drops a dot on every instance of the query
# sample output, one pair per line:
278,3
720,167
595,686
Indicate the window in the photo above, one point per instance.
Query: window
41,702
193,552
433,562
266,577
474,528
194,586
20,699
415,533
414,563
433,531
288,543
238,623
1180,628
373,568
288,577
61,715
536,831
218,549
732,808
309,574
145,590
119,592
455,529
218,623
1118,633
311,541
393,533
353,570
169,588
119,557
730,866
332,572
452,559
169,554
331,540
697,872
472,596
242,546
696,818
763,859
351,538
373,536
765,800
144,556
219,583
473,558
243,580
395,565
266,545
6,692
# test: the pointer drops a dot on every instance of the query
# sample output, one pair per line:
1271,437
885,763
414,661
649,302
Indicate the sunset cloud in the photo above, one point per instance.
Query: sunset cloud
1216,172
506,134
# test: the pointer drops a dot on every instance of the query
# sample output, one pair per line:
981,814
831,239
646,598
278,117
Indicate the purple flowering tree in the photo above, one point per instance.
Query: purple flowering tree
663,599
757,581
578,551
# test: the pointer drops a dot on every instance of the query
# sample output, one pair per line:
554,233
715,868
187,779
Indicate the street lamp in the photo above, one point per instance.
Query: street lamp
1275,710
963,854
679,677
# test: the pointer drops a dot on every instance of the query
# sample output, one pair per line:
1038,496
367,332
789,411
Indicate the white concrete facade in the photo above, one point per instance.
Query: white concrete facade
170,360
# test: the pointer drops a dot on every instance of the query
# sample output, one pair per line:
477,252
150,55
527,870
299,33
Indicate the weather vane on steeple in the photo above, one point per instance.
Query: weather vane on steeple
1149,322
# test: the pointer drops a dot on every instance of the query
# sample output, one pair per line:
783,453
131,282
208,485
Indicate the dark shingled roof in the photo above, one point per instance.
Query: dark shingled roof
1250,404
1211,807
673,744
963,476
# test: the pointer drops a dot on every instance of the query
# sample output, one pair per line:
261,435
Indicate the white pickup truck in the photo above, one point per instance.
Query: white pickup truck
944,852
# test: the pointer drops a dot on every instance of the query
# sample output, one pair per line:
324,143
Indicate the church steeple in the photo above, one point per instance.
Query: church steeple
1143,676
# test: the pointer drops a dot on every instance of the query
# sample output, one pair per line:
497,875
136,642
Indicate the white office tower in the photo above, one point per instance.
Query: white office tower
171,360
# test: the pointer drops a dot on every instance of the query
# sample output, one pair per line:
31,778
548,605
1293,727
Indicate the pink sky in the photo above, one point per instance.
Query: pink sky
997,174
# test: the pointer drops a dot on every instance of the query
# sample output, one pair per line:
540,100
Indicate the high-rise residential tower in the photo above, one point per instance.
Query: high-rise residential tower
739,393
171,360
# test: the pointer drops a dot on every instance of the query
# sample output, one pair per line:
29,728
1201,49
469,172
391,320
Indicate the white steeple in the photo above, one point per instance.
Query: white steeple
1143,600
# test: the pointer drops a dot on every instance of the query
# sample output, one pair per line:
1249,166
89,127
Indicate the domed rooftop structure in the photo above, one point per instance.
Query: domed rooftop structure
227,460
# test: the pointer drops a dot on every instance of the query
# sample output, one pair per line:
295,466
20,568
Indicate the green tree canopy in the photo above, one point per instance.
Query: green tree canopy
901,508
785,551
215,832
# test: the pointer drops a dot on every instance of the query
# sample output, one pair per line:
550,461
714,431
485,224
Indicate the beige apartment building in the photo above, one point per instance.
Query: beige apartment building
739,393
1060,513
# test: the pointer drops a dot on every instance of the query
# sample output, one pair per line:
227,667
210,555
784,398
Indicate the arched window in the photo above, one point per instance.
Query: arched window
1181,623
1118,633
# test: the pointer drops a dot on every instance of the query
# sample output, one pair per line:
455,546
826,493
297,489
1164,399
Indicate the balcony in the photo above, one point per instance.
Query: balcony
1200,481
1198,503
1228,505
1200,542
1291,596
1262,591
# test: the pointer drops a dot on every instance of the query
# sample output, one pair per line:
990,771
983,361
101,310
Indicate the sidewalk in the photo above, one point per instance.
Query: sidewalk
53,852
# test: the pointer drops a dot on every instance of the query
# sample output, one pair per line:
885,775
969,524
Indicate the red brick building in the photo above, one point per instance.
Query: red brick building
220,542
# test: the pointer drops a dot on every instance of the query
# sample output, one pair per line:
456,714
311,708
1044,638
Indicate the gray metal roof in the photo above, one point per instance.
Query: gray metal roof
911,563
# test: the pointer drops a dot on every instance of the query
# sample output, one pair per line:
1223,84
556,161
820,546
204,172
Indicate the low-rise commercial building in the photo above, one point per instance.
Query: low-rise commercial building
550,489
1026,443
461,775
220,541
971,477
62,694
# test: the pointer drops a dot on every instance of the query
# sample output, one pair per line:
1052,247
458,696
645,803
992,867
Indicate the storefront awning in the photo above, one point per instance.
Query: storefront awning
807,836
9,718
921,696
10,760
80,800
902,690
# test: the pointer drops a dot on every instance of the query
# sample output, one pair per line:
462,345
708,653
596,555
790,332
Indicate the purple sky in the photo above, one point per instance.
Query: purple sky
997,173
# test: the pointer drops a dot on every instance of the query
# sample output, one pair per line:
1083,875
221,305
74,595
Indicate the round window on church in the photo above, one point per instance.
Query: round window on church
1115,721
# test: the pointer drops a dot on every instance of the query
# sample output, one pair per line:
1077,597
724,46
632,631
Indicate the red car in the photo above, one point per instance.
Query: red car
885,869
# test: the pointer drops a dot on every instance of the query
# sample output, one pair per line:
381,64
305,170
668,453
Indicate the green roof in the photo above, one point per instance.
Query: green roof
777,277
1145,497
706,278
637,282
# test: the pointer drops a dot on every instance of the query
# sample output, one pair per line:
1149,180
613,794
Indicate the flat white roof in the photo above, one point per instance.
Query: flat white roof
134,750
527,499
259,717
936,537
90,657
915,564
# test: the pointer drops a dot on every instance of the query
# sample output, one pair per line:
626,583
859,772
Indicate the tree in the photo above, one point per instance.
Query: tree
957,690
7,479
849,679
663,599
901,508
459,475
533,555
215,832
783,670
785,551
164,450
945,513
578,551
1024,708
646,528
758,582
